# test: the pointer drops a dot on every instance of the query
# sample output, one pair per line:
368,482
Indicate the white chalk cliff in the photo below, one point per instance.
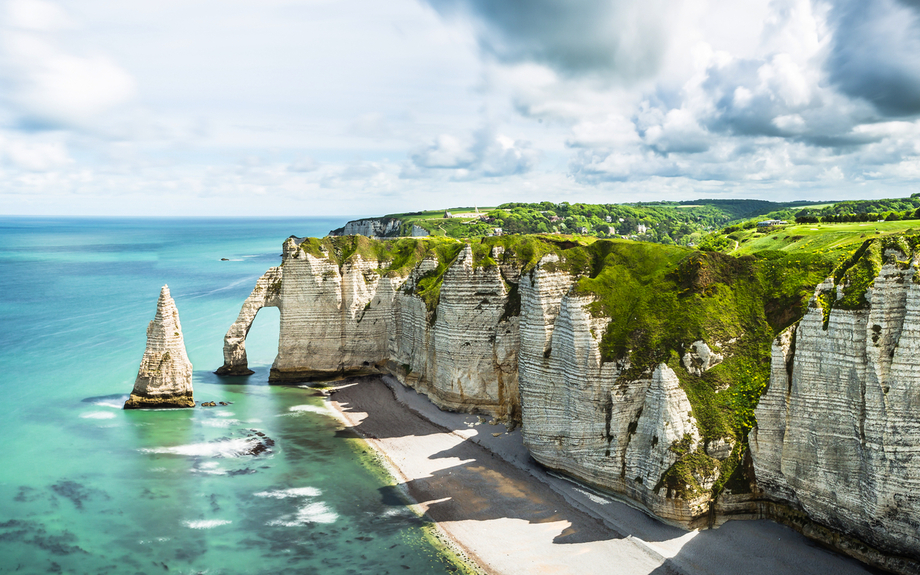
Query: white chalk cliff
164,378
838,432
837,441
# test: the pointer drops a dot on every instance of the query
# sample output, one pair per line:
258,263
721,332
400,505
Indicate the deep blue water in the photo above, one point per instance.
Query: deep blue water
86,487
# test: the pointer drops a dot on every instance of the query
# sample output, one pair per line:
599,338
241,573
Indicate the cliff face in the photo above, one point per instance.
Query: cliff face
637,368
333,319
838,433
164,378
592,419
370,227
464,353
515,328
378,228
360,318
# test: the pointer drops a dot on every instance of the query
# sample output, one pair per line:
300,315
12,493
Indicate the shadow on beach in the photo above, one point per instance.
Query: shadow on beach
481,486
466,481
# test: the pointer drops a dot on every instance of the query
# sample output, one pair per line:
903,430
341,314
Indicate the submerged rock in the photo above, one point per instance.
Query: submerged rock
164,378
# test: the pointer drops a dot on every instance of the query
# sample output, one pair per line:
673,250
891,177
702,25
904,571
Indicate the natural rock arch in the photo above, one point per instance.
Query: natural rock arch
267,293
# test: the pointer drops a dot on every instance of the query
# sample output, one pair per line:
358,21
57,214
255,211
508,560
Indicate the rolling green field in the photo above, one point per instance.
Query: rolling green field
832,240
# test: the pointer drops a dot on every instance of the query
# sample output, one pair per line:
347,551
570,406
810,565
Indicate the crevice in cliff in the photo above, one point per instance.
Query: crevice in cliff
512,301
790,361
608,415
630,431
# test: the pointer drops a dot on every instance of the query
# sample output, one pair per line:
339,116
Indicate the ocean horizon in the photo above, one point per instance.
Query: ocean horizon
87,487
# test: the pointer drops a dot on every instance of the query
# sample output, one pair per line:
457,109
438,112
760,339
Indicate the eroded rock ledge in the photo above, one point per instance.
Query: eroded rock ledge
637,368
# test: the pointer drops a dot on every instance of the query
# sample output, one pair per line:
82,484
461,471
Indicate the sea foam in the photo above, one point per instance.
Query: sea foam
98,415
206,523
310,513
230,448
309,408
295,492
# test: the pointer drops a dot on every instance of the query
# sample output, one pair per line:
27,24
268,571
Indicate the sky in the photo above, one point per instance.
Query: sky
363,107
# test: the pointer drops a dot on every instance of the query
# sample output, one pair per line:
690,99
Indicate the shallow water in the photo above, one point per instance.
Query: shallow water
267,484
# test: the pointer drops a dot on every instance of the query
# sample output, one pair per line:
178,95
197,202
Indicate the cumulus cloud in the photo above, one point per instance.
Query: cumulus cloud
876,53
803,104
626,40
487,154
582,99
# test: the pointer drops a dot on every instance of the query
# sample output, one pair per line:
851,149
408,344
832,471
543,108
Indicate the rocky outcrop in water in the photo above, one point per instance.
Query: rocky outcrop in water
164,378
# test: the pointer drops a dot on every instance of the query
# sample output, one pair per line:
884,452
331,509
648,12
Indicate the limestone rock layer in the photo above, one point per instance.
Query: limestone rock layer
838,432
521,347
164,378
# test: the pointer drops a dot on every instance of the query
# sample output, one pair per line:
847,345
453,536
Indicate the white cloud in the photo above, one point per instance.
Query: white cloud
37,15
34,156
50,87
362,106
486,154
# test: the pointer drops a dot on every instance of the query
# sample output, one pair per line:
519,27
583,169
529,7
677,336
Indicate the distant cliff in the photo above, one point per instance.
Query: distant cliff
379,228
638,368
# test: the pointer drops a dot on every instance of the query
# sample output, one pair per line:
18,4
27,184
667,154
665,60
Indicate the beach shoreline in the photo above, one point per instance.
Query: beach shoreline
441,537
505,514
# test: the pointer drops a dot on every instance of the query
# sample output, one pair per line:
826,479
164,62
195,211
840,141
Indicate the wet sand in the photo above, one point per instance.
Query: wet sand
510,515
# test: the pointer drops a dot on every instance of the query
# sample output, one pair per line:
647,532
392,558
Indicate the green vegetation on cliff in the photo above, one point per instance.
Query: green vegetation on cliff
661,299
398,256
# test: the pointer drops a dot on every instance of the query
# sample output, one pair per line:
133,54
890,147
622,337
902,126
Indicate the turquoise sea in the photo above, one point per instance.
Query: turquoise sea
86,487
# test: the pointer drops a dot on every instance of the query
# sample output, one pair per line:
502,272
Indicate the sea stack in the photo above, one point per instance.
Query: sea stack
164,378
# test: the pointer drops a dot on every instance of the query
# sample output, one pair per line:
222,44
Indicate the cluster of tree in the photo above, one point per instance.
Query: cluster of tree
744,209
864,217
662,222
684,223
870,209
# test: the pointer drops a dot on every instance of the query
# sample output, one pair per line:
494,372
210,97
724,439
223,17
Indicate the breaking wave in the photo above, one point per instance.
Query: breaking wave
310,513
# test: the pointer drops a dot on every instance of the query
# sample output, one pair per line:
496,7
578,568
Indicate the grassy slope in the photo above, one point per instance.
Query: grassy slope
833,239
